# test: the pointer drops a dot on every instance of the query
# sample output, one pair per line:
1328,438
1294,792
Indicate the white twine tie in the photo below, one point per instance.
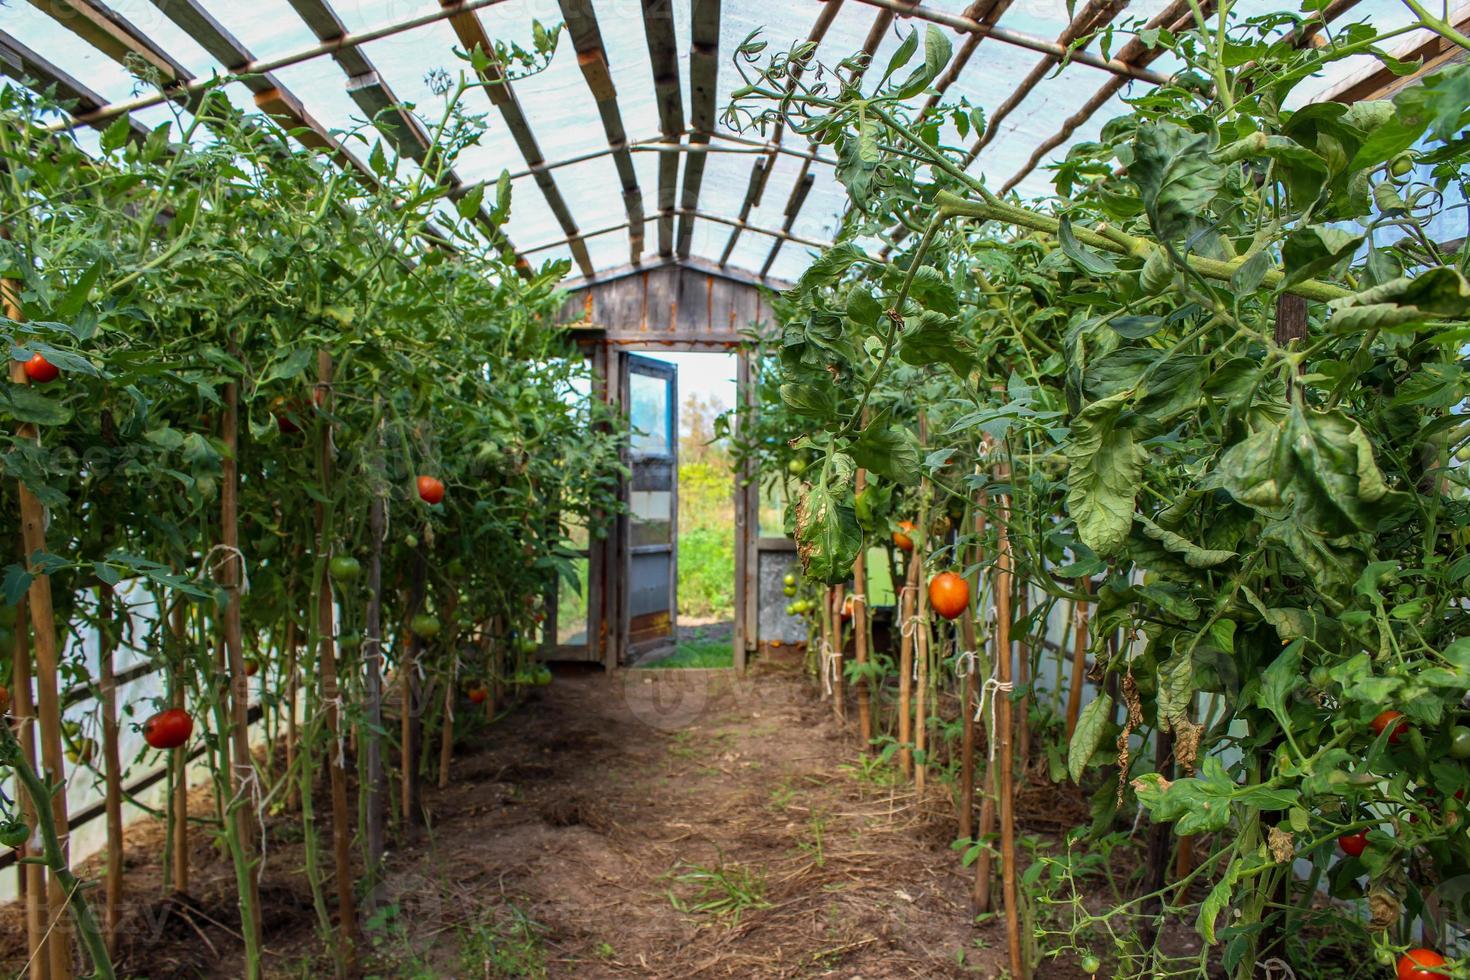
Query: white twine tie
829,667
992,689
965,663
250,784
230,552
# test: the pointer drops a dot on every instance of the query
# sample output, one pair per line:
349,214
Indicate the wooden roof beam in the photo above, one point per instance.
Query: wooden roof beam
116,37
760,172
27,67
1177,16
663,58
1434,52
704,53
403,130
471,33
581,21
987,12
793,208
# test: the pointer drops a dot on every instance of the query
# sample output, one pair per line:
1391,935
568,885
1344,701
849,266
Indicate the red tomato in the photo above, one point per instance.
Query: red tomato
902,541
41,371
1415,964
1387,718
1353,844
168,729
431,489
478,695
949,594
252,666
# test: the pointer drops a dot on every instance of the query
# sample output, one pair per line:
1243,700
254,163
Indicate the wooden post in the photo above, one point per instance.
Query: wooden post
242,764
921,630
33,876
971,691
179,761
1003,727
1156,854
907,625
48,698
1079,658
446,725
834,666
112,767
860,630
372,666
331,693
1023,679
293,694
408,681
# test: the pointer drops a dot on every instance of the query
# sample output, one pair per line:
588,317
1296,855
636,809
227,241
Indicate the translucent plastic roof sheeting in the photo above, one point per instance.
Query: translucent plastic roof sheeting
565,122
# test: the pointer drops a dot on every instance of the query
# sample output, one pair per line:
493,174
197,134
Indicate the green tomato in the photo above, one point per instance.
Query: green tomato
1320,676
350,641
790,590
789,579
14,832
862,506
796,467
543,675
1460,742
410,541
529,645
791,609
1090,963
455,567
425,625
345,568
1402,165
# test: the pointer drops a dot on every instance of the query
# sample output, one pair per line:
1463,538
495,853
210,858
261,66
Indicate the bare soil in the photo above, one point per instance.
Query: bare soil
654,824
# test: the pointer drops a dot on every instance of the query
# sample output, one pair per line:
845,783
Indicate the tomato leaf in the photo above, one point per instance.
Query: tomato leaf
1104,468
1092,724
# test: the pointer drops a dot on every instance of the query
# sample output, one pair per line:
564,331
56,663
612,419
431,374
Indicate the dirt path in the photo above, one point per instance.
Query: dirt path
609,795
654,824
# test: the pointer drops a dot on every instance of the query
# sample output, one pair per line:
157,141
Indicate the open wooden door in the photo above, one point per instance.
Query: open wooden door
650,569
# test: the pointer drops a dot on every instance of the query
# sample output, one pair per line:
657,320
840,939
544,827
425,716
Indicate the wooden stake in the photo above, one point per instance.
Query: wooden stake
293,694
972,691
834,668
860,631
33,876
242,764
112,768
446,724
331,695
1023,680
1003,739
921,630
907,627
1079,658
372,656
179,763
408,682
48,699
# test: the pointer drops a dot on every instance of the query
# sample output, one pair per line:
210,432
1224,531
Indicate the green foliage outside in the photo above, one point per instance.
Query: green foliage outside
706,517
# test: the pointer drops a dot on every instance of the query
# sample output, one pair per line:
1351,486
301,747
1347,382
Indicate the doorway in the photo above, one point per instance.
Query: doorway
682,529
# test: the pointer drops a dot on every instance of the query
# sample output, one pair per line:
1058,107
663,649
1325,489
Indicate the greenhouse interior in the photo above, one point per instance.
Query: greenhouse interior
685,489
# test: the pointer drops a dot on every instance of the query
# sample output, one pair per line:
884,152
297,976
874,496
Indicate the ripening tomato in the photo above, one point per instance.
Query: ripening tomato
847,607
1354,845
1416,963
14,832
901,539
344,568
431,489
168,729
4,699
949,594
252,666
41,371
1386,718
478,694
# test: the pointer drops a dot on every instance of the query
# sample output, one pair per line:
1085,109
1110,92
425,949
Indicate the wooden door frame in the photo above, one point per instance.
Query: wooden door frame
607,583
